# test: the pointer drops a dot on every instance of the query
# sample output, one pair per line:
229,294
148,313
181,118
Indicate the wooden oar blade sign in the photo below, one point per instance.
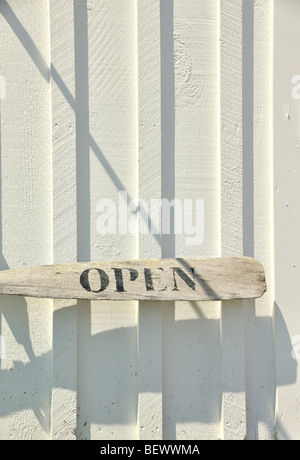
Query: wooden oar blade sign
165,279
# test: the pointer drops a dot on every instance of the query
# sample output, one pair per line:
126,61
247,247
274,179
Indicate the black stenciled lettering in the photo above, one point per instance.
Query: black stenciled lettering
85,283
119,277
119,280
190,283
133,274
149,279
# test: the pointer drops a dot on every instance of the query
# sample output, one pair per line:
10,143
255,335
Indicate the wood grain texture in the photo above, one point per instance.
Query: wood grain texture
258,210
149,137
26,216
191,172
165,279
232,214
160,99
64,175
106,85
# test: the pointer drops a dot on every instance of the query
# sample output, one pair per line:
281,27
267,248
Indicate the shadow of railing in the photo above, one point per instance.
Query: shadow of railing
192,384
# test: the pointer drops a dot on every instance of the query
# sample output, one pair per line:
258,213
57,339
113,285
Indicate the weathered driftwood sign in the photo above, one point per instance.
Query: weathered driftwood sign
165,279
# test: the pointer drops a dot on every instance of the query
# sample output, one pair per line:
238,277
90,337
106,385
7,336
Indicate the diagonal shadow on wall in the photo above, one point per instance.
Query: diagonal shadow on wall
192,393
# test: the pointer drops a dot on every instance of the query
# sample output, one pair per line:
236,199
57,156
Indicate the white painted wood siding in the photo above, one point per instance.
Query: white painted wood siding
286,216
171,99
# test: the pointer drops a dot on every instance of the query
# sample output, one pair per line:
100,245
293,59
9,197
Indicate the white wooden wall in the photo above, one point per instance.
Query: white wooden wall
161,99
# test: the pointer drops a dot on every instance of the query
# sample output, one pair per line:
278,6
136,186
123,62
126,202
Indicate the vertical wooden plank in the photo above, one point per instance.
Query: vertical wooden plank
257,100
26,210
286,141
191,330
107,166
149,188
231,145
64,354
